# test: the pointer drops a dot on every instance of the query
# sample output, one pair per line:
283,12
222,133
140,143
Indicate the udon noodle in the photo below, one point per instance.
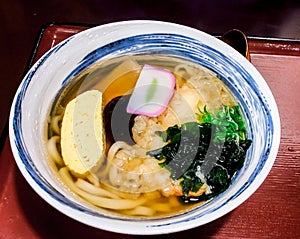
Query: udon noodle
129,181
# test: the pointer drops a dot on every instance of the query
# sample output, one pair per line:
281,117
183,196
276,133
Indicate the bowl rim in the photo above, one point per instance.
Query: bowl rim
144,228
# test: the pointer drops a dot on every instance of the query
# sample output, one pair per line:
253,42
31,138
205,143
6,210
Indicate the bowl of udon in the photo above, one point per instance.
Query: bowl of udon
144,127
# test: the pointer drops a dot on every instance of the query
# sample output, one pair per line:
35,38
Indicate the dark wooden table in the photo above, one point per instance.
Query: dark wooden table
273,211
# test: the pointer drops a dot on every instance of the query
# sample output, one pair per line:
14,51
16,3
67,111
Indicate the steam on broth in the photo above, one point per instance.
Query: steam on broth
150,166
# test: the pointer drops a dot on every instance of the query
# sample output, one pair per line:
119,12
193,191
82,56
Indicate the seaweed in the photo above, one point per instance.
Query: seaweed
210,151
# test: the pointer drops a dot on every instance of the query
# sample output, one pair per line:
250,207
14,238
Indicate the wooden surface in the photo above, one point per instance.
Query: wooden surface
273,211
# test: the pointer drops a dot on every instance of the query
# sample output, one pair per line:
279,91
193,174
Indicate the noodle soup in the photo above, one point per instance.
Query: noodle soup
140,163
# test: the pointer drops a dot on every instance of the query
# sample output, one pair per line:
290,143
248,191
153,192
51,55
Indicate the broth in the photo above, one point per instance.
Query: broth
110,186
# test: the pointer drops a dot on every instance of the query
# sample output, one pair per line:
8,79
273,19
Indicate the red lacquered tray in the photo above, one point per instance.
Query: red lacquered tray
273,211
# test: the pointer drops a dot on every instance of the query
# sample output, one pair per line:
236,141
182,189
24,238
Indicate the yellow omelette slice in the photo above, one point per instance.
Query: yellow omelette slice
82,132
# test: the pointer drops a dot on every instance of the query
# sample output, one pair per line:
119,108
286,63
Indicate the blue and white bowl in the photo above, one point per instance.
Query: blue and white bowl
46,78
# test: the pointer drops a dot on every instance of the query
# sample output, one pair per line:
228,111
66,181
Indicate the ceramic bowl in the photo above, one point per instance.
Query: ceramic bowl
46,78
